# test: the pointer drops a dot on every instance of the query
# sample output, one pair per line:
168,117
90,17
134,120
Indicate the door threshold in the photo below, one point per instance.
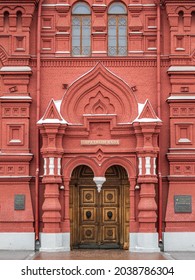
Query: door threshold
96,246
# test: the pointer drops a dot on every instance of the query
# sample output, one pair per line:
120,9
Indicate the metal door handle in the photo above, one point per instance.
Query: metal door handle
88,214
109,214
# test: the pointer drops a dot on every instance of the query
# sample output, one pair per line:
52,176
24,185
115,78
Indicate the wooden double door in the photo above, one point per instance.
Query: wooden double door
99,219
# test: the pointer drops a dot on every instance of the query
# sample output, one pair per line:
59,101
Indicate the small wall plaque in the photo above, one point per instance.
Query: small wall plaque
183,203
19,202
100,142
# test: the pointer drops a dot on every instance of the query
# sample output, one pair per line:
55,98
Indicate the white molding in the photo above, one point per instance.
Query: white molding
99,182
51,166
59,166
181,68
147,166
45,166
180,97
15,97
154,166
140,165
15,69
55,5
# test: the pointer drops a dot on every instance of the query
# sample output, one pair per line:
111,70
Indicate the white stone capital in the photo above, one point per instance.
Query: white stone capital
99,182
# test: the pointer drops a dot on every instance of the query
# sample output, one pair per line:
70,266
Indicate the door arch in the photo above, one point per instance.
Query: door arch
99,219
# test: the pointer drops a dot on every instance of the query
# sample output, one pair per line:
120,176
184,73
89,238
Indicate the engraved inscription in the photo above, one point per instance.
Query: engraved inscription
183,203
19,202
100,142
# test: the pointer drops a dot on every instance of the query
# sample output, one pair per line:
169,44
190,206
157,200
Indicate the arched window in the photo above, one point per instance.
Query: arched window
81,29
117,30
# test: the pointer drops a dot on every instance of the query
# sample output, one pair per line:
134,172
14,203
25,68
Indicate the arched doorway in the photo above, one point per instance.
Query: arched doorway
99,219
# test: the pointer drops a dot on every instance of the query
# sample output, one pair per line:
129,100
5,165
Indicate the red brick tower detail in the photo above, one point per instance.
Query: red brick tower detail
15,156
147,128
15,101
182,116
52,131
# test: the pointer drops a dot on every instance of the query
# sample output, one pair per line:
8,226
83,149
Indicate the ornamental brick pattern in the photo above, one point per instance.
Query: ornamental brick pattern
125,119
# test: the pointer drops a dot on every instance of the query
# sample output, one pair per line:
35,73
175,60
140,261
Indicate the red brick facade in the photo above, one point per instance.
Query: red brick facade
60,110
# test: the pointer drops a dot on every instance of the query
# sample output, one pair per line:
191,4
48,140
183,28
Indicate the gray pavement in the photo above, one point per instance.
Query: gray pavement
16,255
97,254
180,255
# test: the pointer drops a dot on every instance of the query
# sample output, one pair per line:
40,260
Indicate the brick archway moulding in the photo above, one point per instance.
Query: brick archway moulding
70,165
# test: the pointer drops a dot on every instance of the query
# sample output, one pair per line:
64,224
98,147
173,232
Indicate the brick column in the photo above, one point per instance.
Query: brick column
52,154
147,150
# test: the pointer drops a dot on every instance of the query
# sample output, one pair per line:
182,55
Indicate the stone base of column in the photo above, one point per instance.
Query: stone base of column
143,242
55,242
17,241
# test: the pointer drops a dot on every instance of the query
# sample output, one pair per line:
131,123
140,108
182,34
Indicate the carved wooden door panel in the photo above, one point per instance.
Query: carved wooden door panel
99,220
88,216
99,217
109,224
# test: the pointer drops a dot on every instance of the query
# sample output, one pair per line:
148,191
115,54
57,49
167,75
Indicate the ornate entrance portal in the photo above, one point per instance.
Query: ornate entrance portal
96,140
99,219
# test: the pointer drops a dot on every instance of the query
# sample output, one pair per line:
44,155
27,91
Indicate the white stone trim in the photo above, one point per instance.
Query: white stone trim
99,182
99,5
59,166
55,5
140,166
180,97
154,166
15,154
41,121
181,68
17,240
15,69
143,242
51,166
15,97
45,166
147,166
55,242
179,241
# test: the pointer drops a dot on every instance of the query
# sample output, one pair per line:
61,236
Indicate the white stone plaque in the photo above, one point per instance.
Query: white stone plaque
99,142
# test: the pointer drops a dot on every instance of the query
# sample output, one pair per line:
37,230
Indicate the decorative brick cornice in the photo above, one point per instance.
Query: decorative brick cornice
107,62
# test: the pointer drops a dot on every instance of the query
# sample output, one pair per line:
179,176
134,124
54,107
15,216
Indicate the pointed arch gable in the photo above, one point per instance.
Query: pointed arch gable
109,86
52,114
